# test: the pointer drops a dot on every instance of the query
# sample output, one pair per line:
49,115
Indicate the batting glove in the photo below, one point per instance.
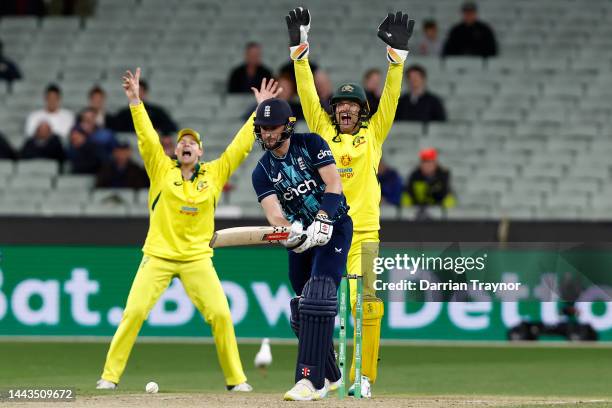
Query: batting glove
395,31
298,24
321,230
298,240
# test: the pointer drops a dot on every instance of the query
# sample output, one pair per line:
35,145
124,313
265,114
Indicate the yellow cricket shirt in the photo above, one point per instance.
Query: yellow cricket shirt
182,212
357,156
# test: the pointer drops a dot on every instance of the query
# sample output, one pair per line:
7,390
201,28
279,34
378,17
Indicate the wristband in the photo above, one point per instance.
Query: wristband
330,204
396,56
299,52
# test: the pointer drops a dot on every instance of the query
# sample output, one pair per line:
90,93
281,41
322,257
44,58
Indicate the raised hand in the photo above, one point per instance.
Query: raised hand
268,89
131,86
396,30
298,24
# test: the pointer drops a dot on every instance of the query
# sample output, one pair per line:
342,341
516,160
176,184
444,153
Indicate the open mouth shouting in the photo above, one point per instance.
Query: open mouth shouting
346,118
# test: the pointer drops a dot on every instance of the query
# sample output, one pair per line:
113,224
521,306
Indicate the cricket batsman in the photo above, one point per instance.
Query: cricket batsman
356,141
298,185
182,200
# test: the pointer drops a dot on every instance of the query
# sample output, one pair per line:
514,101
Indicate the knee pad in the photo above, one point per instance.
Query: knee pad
319,298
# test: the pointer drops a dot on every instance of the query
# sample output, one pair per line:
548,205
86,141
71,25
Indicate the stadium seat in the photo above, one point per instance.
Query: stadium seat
106,210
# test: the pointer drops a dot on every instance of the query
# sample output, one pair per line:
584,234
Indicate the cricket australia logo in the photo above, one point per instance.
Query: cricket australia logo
202,185
347,88
267,111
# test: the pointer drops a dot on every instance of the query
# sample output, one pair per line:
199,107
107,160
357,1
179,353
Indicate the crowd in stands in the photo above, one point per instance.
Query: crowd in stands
429,184
86,142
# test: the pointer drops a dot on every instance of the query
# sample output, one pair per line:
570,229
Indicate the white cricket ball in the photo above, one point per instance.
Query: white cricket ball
152,387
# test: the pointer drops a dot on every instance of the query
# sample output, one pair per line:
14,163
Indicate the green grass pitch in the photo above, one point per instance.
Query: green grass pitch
405,371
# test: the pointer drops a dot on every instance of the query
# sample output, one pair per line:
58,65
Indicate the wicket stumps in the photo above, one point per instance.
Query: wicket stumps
345,306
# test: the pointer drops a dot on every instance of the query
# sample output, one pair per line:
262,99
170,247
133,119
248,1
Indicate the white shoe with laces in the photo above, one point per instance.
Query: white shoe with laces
366,388
102,384
242,387
304,390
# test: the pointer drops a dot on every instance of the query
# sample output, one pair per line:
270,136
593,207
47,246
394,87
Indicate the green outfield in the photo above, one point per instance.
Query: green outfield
581,373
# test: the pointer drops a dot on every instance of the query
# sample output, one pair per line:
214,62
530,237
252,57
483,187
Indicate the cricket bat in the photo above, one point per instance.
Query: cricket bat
249,236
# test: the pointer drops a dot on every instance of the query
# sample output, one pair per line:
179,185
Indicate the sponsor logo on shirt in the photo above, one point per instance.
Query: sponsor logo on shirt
300,189
346,173
278,178
358,141
192,211
324,153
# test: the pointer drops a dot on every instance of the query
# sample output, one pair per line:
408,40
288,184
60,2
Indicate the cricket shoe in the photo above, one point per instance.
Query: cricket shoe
332,386
242,387
102,384
304,390
366,388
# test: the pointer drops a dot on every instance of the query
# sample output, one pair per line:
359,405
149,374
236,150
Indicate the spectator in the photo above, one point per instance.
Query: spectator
9,71
22,8
82,153
169,145
121,171
97,102
324,88
430,45
288,93
159,117
372,81
61,120
6,150
390,184
43,145
287,70
429,184
471,36
102,137
418,104
250,73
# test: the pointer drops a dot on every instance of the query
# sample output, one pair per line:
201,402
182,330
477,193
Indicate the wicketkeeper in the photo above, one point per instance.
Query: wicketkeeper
298,185
356,141
182,200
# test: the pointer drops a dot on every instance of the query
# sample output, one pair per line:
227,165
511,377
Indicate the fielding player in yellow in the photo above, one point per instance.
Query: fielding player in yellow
356,143
182,200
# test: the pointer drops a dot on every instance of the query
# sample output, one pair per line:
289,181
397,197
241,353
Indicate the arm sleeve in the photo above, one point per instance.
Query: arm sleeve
382,120
319,151
261,183
149,146
317,119
235,153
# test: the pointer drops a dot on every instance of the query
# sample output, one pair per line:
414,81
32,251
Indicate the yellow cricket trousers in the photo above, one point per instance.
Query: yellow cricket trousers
364,248
203,287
